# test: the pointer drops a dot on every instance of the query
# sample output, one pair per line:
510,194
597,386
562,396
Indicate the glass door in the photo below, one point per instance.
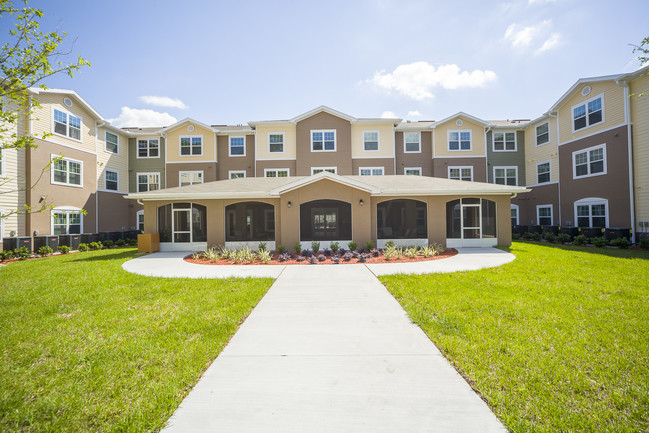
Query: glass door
182,225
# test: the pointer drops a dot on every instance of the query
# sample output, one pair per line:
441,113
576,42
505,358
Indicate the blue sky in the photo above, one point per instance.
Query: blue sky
225,62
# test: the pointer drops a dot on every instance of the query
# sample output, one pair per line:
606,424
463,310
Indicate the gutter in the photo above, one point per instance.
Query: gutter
556,116
627,119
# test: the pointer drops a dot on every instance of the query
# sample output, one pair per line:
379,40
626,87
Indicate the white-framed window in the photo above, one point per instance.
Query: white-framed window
412,171
459,140
67,221
112,142
276,172
139,218
506,175
236,174
589,162
412,142
461,173
323,140
148,148
371,171
237,146
66,171
543,174
370,141
148,182
276,142
588,113
514,214
111,180
544,215
591,212
316,170
542,133
190,177
504,141
191,145
66,124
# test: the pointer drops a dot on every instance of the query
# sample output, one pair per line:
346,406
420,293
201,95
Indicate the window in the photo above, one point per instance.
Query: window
276,142
506,175
588,113
460,173
401,219
371,171
276,172
66,171
591,212
412,171
140,221
323,141
66,221
316,170
411,142
370,140
544,215
249,222
470,218
190,177
191,146
325,220
237,146
504,141
459,140
543,172
112,142
236,174
67,125
589,162
111,180
542,134
182,222
148,182
148,148
514,214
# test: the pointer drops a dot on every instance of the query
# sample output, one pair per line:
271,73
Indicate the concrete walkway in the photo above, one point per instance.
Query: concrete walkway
328,349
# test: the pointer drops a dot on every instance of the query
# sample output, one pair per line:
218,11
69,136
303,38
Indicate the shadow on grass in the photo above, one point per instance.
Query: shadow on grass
117,254
610,252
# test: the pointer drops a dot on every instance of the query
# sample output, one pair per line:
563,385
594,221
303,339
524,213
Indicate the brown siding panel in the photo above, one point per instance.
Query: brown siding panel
423,159
113,212
173,172
227,162
479,164
341,158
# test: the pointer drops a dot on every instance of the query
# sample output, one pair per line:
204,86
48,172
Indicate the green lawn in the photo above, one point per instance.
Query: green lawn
88,347
557,340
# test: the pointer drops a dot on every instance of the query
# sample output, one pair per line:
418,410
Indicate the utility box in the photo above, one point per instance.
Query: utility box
88,238
51,241
71,241
17,242
115,236
148,242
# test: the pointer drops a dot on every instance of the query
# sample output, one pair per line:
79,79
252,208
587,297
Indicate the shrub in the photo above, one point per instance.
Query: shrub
281,249
516,236
375,252
335,246
327,252
315,246
347,256
352,246
550,237
212,254
45,251
64,249
599,242
564,238
120,242
536,236
22,253
622,243
297,247
6,255
264,256
108,243
300,259
322,258
390,252
527,236
83,247
580,240
389,244
131,241
335,259
644,243
284,257
369,246
262,246
96,245
410,252
313,260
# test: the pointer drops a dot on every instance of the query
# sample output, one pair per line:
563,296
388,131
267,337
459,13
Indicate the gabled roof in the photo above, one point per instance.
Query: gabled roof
460,114
322,109
75,95
578,83
307,180
185,121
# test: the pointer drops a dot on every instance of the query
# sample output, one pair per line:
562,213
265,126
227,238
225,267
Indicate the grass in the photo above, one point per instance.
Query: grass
557,340
87,346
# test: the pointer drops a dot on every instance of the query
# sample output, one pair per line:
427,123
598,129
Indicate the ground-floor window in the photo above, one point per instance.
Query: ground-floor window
182,222
401,219
325,220
544,215
249,221
514,213
67,221
140,220
591,212
470,218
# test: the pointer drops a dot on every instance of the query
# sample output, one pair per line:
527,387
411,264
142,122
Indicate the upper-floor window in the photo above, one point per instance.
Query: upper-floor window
236,174
370,140
112,142
411,142
67,124
148,182
544,215
276,142
276,172
371,171
588,113
190,177
589,162
148,148
506,175
191,146
66,171
316,170
543,172
412,171
542,134
111,180
460,173
323,141
459,140
237,146
504,141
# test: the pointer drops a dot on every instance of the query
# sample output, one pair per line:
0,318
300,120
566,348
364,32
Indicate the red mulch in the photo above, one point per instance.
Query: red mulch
380,259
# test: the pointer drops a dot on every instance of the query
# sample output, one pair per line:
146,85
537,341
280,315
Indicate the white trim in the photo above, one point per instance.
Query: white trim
323,131
459,140
231,172
513,206
542,184
67,124
590,201
106,132
146,173
505,167
283,134
191,145
67,210
585,103
504,149
335,169
460,167
536,134
405,169
549,162
360,169
275,159
277,170
191,162
587,151
538,217
68,160
148,148
378,140
373,157
180,175
404,141
459,156
112,170
230,137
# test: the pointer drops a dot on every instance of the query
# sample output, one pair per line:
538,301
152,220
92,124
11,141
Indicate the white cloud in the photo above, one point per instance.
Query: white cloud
417,80
550,43
163,101
414,113
388,115
531,2
538,37
142,117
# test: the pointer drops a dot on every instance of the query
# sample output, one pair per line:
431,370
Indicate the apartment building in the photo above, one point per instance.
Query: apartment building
585,160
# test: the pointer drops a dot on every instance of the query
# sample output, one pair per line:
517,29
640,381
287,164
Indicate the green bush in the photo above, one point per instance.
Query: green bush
108,243
298,248
263,246
564,238
369,246
83,247
22,253
352,246
550,237
281,249
622,243
131,241
335,246
580,240
45,251
390,244
120,242
315,246
516,236
599,242
96,245
6,255
527,235
644,243
536,236
64,249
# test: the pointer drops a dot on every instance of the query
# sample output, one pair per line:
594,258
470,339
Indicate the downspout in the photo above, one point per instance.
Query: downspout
486,153
627,119
394,148
96,181
556,116
164,165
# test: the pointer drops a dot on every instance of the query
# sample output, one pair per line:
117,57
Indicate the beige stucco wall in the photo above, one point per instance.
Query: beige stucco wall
546,152
173,143
440,138
262,148
386,141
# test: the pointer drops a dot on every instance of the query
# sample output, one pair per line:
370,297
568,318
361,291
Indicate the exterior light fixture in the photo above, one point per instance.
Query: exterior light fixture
289,204
361,202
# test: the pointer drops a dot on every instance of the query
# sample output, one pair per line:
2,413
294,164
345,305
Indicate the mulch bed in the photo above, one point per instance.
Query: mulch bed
380,259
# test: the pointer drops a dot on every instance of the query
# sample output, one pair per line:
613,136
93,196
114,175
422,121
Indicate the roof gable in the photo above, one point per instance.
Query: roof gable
458,115
321,176
186,121
323,109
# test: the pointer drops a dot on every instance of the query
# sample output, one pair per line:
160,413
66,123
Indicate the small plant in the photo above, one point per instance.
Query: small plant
313,260
389,244
390,252
284,257
369,246
6,255
536,236
580,240
131,241
362,258
315,246
212,254
327,252
347,256
120,242
45,251
599,242
352,246
264,256
281,249
298,248
300,259
262,246
375,252
83,247
622,243
334,247
644,243
64,249
516,236
322,257
197,255
335,259
22,253
96,245
410,252
564,238
306,253
550,237
108,243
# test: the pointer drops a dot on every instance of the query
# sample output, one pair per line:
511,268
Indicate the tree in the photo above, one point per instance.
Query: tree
29,57
643,49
